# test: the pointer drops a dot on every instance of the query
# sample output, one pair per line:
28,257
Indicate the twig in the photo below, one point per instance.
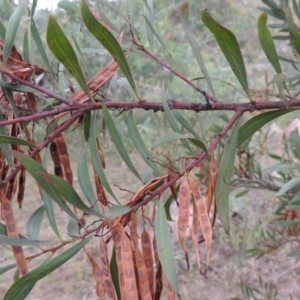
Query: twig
36,87
169,68
196,161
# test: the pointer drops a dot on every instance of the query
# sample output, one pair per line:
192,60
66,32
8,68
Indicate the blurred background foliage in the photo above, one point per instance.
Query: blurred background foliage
265,221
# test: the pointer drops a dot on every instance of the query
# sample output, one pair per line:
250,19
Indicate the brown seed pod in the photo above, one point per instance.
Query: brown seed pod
143,282
171,175
97,82
2,165
184,214
96,271
100,292
101,196
203,218
82,220
195,232
31,102
106,277
97,275
78,122
12,231
64,157
58,171
148,258
21,189
11,188
133,231
213,169
116,236
128,268
100,152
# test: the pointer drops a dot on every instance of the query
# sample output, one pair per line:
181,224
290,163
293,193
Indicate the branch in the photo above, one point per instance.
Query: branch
35,86
157,106
168,67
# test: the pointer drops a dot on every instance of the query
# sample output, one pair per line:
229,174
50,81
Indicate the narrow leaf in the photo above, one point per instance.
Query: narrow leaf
171,136
184,14
293,30
257,122
179,117
271,4
118,141
22,242
115,273
160,41
48,204
280,83
276,13
149,22
18,87
26,52
198,143
5,147
16,291
12,28
296,9
168,137
2,31
70,7
34,223
84,178
7,268
33,7
4,139
164,247
140,146
280,168
61,80
105,37
33,168
288,186
39,44
112,212
3,231
230,48
95,157
295,253
63,51
224,177
171,120
87,125
267,43
73,228
67,191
